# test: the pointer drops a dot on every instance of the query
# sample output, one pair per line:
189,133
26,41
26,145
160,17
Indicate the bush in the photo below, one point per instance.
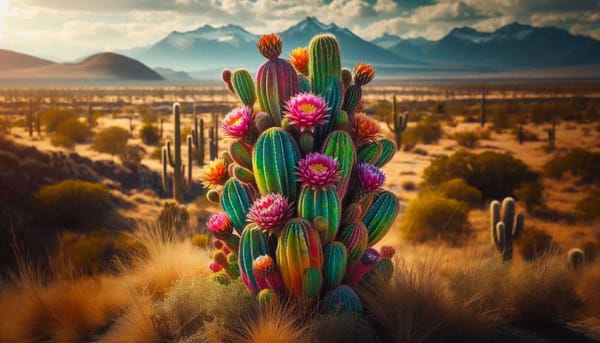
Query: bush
528,136
494,174
458,189
588,208
149,134
580,162
531,193
112,140
132,156
467,139
70,132
53,117
427,131
71,203
431,216
535,243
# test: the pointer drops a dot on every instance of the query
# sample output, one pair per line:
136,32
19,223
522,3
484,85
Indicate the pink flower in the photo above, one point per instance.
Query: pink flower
237,122
387,251
370,177
318,170
269,211
220,226
306,110
215,267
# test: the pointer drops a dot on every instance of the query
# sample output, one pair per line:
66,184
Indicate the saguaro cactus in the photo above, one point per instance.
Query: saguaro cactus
398,123
198,139
505,226
482,110
29,118
173,158
576,258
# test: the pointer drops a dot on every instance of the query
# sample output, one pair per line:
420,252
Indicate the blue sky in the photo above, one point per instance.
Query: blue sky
69,29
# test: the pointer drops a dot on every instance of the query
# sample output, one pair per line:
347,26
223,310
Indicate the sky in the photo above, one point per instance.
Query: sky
65,30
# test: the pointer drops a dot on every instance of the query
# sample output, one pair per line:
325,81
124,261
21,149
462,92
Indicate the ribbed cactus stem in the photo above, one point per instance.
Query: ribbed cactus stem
199,140
398,123
505,226
181,183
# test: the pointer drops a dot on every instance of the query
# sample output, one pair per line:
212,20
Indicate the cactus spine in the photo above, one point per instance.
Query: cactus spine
505,226
181,184
398,123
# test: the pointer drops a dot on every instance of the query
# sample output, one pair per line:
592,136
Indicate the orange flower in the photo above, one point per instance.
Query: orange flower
214,173
269,45
363,74
365,127
299,59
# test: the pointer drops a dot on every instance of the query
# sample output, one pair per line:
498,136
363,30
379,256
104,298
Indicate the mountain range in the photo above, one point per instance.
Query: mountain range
202,53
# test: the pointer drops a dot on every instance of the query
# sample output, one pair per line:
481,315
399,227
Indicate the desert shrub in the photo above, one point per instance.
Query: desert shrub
156,154
131,157
427,131
111,140
71,203
542,292
431,216
458,189
528,136
494,174
147,114
90,253
149,134
70,132
201,240
535,243
579,162
531,193
588,208
174,219
409,186
500,119
53,117
467,139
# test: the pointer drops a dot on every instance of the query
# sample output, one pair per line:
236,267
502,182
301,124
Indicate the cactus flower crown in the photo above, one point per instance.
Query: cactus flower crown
270,46
214,173
306,110
299,59
237,122
363,74
270,211
318,170
263,265
365,127
370,177
219,225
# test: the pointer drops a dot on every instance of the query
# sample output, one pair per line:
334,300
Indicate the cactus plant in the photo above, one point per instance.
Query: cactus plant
398,123
253,244
236,199
342,299
181,184
243,86
298,250
335,257
576,258
505,226
198,139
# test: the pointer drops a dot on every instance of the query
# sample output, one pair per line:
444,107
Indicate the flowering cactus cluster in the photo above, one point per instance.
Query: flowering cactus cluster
300,185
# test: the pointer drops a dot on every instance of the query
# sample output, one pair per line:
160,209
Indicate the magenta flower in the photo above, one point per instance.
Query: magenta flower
220,225
370,177
237,122
318,170
306,110
370,257
270,211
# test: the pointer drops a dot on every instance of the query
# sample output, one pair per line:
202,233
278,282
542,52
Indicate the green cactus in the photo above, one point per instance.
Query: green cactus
335,257
243,86
198,139
339,145
312,281
388,148
252,245
355,237
274,161
323,202
241,153
298,250
180,184
266,296
505,226
236,199
370,152
398,123
342,300
380,216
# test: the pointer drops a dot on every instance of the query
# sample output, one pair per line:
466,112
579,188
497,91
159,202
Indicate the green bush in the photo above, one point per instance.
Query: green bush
531,193
71,203
458,189
431,216
70,132
589,207
579,162
535,243
112,140
467,139
53,117
494,174
149,134
427,131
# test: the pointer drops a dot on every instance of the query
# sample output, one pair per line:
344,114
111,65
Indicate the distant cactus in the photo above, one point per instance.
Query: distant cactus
180,184
198,139
576,258
398,123
552,137
505,226
29,118
482,110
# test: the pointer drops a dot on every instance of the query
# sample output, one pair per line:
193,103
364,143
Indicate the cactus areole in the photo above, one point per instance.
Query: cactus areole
300,185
